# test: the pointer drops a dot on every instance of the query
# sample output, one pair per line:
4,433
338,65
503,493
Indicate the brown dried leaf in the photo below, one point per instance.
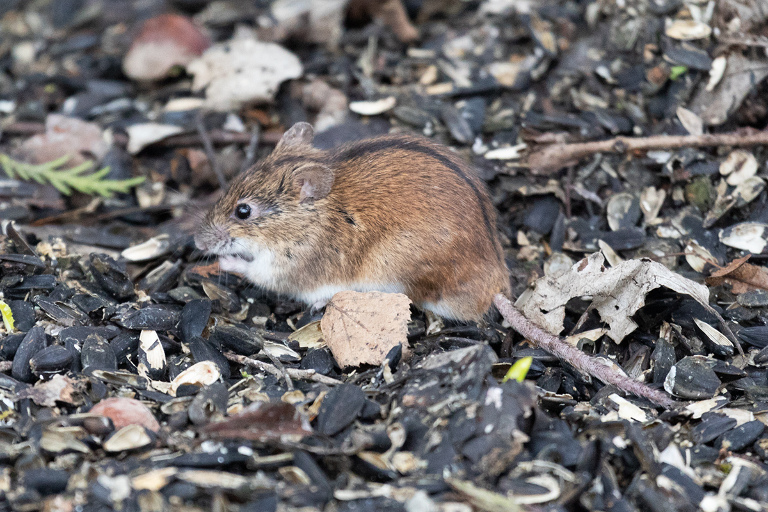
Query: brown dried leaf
361,328
717,105
617,292
391,13
65,136
47,393
242,71
742,276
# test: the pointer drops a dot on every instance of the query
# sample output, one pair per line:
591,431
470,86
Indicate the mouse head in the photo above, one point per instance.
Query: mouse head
268,205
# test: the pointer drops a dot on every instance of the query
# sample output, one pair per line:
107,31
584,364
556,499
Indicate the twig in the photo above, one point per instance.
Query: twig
294,373
743,40
70,215
556,156
219,137
250,151
79,214
208,146
284,374
578,359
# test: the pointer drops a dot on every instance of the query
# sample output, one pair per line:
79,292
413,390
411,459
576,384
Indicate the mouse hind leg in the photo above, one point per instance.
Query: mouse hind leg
467,302
457,307
464,296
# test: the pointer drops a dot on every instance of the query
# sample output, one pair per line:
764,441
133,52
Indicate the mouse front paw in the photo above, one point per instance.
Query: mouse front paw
317,307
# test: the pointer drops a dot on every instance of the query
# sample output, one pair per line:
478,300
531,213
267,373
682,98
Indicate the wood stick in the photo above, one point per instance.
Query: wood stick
210,153
554,157
294,373
578,359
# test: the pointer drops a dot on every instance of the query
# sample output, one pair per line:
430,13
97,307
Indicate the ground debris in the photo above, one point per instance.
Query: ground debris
625,149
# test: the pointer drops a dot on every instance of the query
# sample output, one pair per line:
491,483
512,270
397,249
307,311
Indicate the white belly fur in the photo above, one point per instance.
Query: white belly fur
324,293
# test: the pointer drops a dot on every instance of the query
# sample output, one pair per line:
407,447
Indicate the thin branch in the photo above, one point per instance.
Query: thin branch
250,151
284,374
208,146
578,359
556,156
219,137
743,40
294,373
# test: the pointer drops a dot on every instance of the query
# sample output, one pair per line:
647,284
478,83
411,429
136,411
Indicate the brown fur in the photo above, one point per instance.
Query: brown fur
401,209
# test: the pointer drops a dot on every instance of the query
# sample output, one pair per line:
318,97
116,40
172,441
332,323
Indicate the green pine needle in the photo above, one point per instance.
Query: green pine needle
67,180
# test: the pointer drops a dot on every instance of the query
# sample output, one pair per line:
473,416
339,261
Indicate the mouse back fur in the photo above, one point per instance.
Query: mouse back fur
397,213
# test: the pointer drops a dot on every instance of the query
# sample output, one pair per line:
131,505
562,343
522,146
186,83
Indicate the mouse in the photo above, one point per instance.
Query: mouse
395,213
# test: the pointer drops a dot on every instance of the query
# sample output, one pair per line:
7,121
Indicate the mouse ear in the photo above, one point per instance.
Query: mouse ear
313,181
300,134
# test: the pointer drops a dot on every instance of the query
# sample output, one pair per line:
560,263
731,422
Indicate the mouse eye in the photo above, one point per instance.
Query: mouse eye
242,211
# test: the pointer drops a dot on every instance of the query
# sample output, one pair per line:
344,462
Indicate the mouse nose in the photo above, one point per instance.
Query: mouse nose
210,237
200,241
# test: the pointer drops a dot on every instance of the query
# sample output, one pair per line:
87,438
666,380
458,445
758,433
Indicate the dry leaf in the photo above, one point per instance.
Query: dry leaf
242,71
617,292
742,276
716,105
688,30
747,236
63,136
739,166
361,328
47,393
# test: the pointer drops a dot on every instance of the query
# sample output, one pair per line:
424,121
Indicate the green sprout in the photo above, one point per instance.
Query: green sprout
67,180
7,314
519,370
677,71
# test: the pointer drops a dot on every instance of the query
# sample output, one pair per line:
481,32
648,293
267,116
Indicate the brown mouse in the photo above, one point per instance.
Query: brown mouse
397,213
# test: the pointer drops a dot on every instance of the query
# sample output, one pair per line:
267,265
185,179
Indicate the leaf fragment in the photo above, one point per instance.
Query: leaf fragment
617,292
742,276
